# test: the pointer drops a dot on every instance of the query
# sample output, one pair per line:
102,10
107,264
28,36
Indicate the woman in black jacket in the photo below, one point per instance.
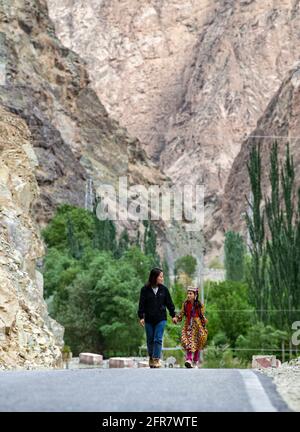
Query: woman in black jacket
154,298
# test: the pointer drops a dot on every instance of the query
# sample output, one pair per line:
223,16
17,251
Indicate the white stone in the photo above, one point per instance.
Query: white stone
90,358
263,361
141,364
121,362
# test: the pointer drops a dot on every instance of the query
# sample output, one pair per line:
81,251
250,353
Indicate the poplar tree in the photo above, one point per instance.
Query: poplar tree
283,247
74,244
255,223
150,243
274,277
234,250
123,243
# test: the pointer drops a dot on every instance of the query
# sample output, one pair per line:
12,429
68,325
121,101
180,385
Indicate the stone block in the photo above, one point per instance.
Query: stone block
141,364
264,361
121,362
90,358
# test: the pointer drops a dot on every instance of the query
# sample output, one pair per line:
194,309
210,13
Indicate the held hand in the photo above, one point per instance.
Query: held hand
142,322
174,319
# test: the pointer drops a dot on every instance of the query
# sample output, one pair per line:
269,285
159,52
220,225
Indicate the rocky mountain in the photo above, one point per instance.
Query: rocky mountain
73,137
145,44
280,122
28,336
189,78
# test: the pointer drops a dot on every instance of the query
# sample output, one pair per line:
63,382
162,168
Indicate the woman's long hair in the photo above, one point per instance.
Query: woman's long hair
154,273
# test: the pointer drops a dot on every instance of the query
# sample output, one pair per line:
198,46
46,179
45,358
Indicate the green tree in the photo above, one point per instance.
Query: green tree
59,270
123,244
234,249
178,294
92,289
229,310
260,339
104,237
165,268
74,229
150,243
273,273
56,232
100,311
186,264
74,309
283,247
74,245
255,218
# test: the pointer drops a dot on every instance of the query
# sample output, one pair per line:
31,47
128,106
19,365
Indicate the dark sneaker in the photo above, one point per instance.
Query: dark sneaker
188,364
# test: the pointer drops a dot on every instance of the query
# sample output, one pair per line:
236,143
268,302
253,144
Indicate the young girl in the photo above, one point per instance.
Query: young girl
194,332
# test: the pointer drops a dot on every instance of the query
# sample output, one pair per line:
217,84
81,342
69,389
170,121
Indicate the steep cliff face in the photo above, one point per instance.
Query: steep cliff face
189,78
26,331
280,122
136,52
48,86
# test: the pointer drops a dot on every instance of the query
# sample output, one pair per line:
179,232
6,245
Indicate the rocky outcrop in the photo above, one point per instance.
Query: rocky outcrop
287,381
29,338
280,122
145,44
199,74
47,85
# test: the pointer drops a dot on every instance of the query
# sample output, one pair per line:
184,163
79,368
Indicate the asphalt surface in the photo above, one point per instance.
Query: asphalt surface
138,390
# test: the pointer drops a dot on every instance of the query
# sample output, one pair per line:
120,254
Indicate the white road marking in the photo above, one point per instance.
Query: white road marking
257,395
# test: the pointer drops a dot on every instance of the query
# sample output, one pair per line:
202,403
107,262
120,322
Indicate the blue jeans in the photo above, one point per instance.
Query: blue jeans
154,333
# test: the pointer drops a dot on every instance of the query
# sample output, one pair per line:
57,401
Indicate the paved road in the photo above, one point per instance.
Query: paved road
135,390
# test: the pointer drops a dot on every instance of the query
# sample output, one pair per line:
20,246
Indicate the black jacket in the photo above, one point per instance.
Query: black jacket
152,307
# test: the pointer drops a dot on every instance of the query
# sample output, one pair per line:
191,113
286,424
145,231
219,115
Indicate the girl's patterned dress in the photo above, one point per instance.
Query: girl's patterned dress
194,332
